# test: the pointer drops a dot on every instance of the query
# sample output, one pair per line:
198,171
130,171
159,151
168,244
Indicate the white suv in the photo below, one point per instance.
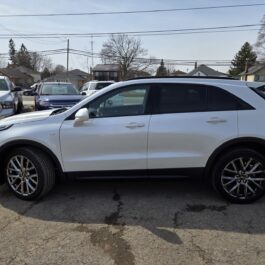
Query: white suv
92,87
212,128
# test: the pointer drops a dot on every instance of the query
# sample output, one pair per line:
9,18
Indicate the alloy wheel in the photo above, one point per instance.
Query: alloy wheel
243,178
22,175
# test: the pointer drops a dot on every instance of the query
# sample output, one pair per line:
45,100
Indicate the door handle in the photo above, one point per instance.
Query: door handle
133,125
216,120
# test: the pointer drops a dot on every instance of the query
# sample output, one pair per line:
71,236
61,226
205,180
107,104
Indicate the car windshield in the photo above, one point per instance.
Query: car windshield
3,85
102,85
58,89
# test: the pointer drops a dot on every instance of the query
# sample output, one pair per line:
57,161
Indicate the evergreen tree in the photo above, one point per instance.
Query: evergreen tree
245,56
23,57
12,52
162,70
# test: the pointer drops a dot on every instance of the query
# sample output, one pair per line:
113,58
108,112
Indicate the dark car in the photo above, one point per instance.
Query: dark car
56,95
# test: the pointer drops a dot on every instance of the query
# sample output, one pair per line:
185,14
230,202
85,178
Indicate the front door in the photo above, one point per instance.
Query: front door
114,137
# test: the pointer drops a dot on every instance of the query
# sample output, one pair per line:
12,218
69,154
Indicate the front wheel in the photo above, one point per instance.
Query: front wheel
239,176
29,173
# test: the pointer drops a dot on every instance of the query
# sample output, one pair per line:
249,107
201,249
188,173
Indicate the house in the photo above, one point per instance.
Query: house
105,72
178,73
203,70
17,77
255,73
34,74
76,77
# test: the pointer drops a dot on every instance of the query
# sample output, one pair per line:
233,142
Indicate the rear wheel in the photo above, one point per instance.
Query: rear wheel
29,173
239,176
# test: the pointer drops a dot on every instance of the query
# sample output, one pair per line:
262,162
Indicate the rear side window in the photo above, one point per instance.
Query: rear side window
177,98
221,100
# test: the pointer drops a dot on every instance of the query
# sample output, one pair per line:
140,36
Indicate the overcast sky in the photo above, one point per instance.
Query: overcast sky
221,46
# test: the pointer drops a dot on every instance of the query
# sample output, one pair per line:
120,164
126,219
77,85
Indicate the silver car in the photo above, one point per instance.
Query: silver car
10,98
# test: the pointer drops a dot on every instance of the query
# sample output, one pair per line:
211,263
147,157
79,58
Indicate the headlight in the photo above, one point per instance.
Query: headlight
6,105
5,127
44,103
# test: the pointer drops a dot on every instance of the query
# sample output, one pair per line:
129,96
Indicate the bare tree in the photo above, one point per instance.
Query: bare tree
40,62
3,62
260,44
124,50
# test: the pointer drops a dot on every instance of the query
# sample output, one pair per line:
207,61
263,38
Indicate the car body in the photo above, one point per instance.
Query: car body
91,87
50,95
153,127
10,98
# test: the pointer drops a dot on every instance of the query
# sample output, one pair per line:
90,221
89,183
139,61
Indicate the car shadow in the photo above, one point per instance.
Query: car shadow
162,207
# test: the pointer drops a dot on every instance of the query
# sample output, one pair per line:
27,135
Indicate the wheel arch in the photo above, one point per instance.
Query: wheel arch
254,143
28,143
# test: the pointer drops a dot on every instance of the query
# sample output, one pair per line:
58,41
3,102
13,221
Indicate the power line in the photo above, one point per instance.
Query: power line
139,33
133,11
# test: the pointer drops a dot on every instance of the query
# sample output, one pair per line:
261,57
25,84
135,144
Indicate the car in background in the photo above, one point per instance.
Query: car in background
49,95
91,87
10,98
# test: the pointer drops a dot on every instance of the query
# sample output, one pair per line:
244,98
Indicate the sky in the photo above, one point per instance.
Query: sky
214,46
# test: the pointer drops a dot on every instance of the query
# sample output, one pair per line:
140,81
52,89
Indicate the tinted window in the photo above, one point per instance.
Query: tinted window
124,102
176,98
219,99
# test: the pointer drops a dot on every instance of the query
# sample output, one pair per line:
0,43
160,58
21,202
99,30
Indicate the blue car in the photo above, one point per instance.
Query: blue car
49,95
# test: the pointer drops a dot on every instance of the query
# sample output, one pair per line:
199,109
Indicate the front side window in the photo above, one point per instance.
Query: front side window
178,98
3,85
128,101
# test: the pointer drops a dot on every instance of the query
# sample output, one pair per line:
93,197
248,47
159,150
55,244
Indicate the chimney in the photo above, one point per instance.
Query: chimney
196,65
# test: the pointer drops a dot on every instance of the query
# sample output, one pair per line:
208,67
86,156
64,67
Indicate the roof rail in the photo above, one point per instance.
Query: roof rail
183,76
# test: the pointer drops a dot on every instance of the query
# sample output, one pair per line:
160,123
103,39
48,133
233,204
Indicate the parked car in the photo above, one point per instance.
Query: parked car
10,98
50,95
91,87
198,127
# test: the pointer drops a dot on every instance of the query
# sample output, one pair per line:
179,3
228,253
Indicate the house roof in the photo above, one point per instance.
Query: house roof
14,73
73,75
206,70
178,72
106,68
77,72
254,69
26,70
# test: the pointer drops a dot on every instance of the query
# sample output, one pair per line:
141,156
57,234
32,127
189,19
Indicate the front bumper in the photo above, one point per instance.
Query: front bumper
6,113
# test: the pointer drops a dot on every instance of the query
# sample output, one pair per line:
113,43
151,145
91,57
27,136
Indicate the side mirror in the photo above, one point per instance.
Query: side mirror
83,93
81,116
16,89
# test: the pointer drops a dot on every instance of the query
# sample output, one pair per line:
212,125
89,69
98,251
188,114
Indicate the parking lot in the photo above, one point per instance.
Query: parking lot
130,222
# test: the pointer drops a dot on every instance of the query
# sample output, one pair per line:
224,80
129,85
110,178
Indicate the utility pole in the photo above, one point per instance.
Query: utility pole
67,64
92,57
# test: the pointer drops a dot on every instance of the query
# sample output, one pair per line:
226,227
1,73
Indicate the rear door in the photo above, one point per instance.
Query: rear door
189,121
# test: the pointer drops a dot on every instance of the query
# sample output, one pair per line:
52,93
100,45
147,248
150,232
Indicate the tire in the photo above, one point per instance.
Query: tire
20,107
34,179
239,176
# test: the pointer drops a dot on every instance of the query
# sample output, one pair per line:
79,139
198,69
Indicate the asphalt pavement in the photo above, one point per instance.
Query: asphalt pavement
130,222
